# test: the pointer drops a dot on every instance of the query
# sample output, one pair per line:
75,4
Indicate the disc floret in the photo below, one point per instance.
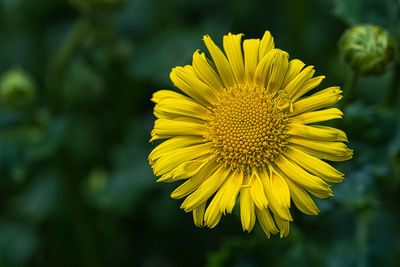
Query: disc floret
247,128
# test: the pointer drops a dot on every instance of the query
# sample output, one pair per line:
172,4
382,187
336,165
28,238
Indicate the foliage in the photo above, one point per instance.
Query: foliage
75,185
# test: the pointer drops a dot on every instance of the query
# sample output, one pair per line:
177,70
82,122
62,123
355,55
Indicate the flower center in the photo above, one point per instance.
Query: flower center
247,128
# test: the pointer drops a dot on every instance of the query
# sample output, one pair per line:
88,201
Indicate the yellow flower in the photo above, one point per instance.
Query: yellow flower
242,131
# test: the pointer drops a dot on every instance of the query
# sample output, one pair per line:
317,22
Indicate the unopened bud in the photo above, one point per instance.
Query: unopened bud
97,180
17,89
368,49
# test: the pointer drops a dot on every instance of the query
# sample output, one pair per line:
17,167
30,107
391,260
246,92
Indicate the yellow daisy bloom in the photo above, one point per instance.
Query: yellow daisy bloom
243,130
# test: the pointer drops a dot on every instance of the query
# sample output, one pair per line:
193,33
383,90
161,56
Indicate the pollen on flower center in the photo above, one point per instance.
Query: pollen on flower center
247,128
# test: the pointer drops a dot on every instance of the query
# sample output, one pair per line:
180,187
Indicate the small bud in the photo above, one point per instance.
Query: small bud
97,180
368,49
17,89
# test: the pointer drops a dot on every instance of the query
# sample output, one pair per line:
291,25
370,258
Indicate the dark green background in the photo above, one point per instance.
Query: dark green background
75,185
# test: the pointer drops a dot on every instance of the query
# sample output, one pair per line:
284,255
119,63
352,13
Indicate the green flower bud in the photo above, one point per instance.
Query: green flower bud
368,49
17,89
97,180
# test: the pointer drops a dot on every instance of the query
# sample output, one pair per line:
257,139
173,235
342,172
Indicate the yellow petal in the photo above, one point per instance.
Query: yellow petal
302,199
160,94
247,210
283,226
310,182
250,48
206,189
213,213
233,49
257,191
262,70
193,183
166,177
267,223
179,107
324,98
188,169
184,86
307,86
198,215
179,127
175,157
337,149
222,64
316,132
297,82
214,217
294,68
232,184
186,80
277,72
162,115
173,143
266,44
341,136
317,116
156,136
323,155
206,73
278,194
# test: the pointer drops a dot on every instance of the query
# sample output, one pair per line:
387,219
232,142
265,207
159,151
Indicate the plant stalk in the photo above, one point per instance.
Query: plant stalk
348,91
62,59
393,91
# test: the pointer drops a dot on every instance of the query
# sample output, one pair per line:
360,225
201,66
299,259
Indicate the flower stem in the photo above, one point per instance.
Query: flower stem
76,36
84,234
362,221
83,227
393,91
349,88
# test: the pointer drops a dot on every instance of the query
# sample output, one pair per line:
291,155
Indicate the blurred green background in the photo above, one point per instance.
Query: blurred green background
75,185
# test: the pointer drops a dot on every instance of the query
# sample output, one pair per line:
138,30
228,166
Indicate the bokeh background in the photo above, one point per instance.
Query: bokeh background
75,185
